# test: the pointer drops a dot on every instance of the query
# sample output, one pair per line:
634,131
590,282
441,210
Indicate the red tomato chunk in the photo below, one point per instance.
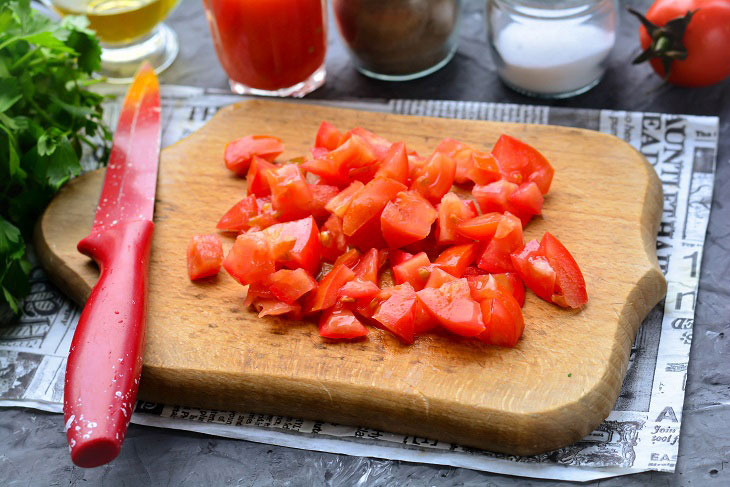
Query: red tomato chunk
205,254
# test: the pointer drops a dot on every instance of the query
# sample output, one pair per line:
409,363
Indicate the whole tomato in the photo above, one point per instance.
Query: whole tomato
691,37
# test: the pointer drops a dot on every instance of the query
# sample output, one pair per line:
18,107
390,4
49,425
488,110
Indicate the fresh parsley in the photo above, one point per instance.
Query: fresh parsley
47,115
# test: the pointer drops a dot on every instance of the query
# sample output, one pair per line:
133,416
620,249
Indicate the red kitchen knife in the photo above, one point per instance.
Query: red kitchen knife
105,361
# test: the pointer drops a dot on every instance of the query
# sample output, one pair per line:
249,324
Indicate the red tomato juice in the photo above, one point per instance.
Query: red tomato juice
268,44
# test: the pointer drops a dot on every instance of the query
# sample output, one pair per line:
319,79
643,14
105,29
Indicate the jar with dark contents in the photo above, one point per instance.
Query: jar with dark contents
398,40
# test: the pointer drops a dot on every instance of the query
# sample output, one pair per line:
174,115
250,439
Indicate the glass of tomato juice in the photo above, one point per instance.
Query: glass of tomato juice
270,47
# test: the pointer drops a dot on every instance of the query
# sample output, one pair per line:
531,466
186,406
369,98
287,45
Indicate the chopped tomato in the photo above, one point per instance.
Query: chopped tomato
511,282
321,195
398,256
438,277
340,324
535,270
274,307
256,182
452,306
456,259
238,154
451,212
395,164
258,290
332,239
368,266
487,286
359,288
378,144
237,218
266,216
415,165
368,203
462,156
341,202
484,168
436,177
288,286
291,196
250,258
507,238
503,319
205,254
493,196
335,166
480,228
473,271
526,200
570,286
422,320
368,236
520,162
396,311
414,271
326,294
328,137
349,258
406,219
307,249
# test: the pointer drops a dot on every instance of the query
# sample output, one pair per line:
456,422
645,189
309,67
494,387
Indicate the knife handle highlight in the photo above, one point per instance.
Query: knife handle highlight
105,361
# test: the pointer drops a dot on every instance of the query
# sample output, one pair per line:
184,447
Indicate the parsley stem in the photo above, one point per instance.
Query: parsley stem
43,113
23,59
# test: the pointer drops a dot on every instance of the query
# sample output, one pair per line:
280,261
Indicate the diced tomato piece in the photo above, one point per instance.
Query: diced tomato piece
422,320
321,195
451,212
307,248
237,218
484,168
335,166
462,156
438,277
512,283
340,324
266,214
256,182
368,236
480,228
507,238
317,153
364,174
349,258
487,286
526,200
396,312
395,164
517,158
398,256
503,319
473,271
535,270
274,307
368,266
378,144
328,137
359,288
291,195
414,271
326,294
436,177
205,254
368,203
415,165
238,153
258,290
569,282
288,286
493,196
452,306
250,258
332,239
456,259
341,202
406,219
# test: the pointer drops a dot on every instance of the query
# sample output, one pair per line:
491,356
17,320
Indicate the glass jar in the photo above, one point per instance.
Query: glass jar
398,40
554,49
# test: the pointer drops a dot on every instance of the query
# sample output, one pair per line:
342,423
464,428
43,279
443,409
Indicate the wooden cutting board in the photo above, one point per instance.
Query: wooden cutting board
204,349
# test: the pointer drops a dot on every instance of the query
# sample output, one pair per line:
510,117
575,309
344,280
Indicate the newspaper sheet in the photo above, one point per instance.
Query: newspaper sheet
642,432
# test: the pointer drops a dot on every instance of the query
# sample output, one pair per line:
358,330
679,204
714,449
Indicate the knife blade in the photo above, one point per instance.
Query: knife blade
105,359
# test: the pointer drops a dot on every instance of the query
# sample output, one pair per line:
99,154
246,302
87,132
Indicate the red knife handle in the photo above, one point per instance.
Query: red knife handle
105,361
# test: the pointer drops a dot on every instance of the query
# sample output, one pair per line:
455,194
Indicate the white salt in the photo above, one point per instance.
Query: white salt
552,57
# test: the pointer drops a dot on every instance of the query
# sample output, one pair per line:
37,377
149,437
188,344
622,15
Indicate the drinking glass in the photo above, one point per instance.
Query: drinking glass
270,47
130,31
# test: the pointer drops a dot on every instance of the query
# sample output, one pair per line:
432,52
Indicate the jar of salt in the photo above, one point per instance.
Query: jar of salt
551,49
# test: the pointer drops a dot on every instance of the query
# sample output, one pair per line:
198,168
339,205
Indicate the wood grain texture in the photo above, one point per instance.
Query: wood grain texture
562,379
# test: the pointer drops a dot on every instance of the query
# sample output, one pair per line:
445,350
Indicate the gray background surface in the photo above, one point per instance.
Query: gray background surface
33,447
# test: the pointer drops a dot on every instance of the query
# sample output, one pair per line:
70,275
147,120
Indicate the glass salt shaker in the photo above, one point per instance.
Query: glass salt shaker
555,49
